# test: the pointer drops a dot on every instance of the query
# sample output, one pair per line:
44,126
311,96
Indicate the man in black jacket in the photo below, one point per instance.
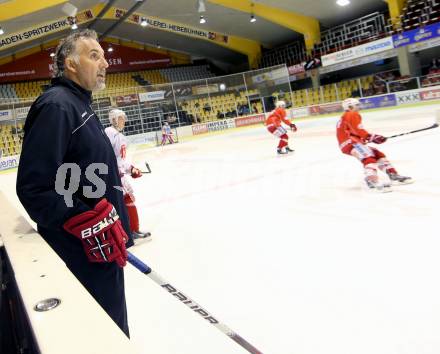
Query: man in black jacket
68,179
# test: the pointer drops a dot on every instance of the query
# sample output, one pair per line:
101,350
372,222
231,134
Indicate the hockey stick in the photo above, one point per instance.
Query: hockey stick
435,125
143,172
137,263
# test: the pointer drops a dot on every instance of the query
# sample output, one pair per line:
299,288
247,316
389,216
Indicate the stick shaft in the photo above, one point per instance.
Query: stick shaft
194,306
414,131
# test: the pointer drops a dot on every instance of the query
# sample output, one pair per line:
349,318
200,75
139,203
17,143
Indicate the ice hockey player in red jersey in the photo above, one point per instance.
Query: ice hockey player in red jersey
117,120
353,140
274,126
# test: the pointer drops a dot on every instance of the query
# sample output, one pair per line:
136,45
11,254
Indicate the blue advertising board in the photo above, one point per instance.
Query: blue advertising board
417,35
379,101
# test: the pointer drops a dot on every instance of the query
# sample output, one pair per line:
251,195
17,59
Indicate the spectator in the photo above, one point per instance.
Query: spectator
240,109
245,109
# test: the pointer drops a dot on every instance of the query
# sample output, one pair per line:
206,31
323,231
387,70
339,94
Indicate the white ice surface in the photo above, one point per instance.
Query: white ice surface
292,252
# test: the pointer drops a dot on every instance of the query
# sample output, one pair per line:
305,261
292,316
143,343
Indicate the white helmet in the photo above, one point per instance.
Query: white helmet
280,104
113,116
350,102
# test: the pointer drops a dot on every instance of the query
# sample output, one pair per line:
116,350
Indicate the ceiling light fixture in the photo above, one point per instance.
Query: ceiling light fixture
52,54
144,22
253,18
201,7
69,9
202,20
110,49
343,2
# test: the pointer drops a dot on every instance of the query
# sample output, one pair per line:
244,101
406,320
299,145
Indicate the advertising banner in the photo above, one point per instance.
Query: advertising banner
296,69
359,61
169,26
5,115
22,112
124,58
269,76
213,126
299,112
32,67
220,125
205,89
430,95
250,120
417,35
314,110
199,129
330,108
370,48
126,100
379,101
40,65
407,97
151,96
43,29
431,43
9,162
326,108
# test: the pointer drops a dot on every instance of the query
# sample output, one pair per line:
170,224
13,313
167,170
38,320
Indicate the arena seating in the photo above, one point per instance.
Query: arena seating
11,138
8,92
365,29
355,32
219,106
329,93
186,73
418,13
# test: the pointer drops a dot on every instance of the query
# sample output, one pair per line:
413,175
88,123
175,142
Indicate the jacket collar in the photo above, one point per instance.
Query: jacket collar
78,90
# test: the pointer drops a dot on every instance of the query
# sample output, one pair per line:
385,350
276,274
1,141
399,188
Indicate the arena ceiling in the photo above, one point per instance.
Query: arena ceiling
220,19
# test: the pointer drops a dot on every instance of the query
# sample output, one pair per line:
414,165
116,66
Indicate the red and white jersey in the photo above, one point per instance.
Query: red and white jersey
350,131
276,117
119,144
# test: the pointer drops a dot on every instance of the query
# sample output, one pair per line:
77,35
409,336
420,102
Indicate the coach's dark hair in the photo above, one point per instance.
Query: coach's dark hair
67,47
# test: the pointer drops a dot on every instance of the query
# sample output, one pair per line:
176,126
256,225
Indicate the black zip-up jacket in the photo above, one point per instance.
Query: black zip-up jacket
61,127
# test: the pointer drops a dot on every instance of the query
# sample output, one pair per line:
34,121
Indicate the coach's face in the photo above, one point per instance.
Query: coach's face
88,65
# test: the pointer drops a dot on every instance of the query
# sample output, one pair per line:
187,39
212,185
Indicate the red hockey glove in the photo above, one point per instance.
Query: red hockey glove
101,233
135,173
377,139
293,127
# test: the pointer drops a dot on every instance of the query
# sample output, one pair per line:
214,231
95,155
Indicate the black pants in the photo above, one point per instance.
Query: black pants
105,282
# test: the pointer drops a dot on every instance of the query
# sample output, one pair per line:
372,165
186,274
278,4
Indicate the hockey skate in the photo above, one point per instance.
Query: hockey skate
280,151
288,149
377,186
141,235
397,179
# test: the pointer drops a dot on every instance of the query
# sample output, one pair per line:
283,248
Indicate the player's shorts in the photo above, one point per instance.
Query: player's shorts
127,188
362,152
277,131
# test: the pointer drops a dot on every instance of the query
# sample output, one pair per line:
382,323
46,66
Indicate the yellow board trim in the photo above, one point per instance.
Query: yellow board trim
17,8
